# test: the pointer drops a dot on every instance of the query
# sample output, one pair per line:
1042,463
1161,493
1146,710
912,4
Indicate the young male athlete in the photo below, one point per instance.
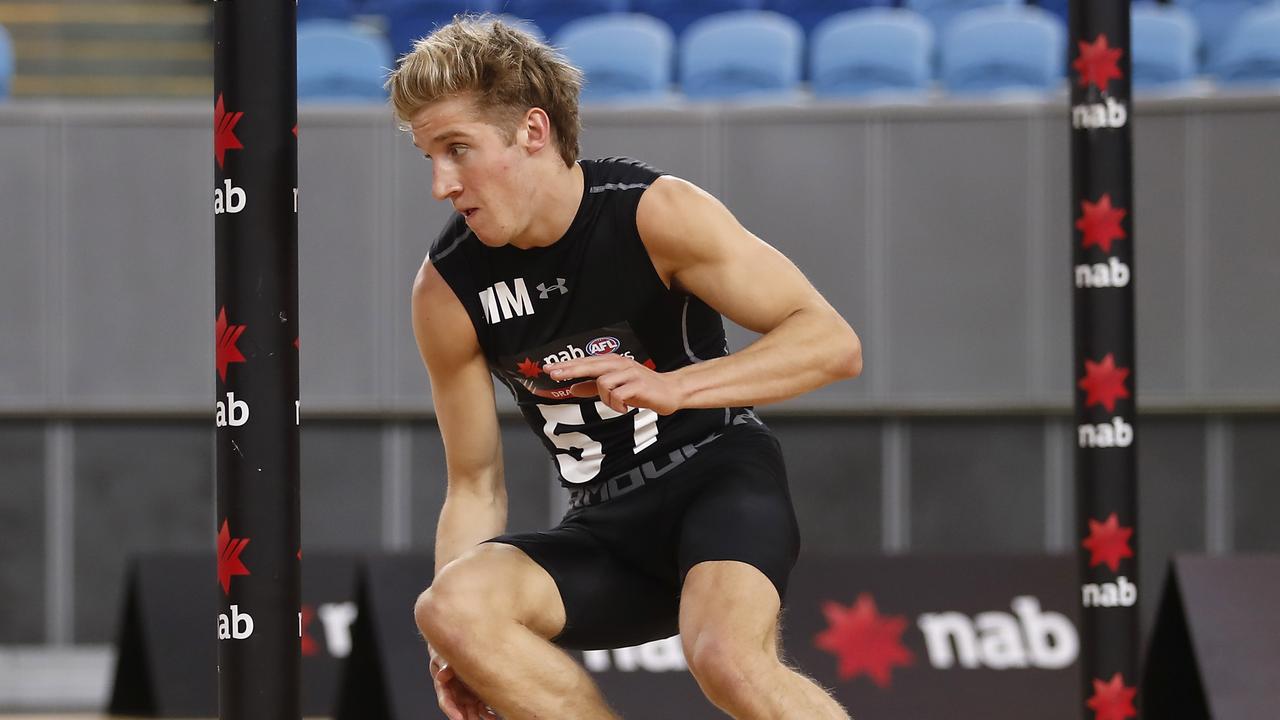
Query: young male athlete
593,290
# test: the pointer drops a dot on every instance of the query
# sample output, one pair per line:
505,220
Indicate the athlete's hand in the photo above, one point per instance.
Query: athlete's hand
620,382
457,700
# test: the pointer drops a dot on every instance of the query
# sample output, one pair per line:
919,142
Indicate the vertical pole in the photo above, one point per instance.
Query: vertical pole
256,304
1104,356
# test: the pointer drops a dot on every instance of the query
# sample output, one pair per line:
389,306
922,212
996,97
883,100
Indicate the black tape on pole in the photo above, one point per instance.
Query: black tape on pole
1104,361
256,237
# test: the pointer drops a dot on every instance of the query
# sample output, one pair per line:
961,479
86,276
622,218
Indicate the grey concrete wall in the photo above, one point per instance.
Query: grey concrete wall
921,224
941,232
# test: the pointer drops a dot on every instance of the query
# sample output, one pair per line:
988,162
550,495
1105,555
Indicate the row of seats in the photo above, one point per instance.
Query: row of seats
6,63
758,54
405,19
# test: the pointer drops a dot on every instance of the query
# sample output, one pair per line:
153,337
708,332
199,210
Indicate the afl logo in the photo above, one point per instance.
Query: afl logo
603,346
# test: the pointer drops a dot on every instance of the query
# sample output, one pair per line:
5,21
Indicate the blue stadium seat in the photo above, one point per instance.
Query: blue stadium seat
1215,20
409,20
341,61
679,14
623,56
1164,45
875,50
811,12
550,15
325,9
1057,7
6,63
942,12
1003,48
1251,54
743,54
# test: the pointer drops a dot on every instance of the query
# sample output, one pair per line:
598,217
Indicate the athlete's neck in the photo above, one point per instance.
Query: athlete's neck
557,198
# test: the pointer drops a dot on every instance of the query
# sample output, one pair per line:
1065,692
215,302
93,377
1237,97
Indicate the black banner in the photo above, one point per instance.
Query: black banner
256,237
1215,651
1104,357
908,638
167,655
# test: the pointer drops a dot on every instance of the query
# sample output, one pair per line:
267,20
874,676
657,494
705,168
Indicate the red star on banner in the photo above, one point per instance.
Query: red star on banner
863,640
224,126
650,364
1112,700
1103,383
1097,63
529,368
1108,543
1100,223
226,336
229,563
309,645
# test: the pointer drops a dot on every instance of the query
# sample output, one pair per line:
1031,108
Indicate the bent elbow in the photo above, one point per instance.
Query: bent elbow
850,360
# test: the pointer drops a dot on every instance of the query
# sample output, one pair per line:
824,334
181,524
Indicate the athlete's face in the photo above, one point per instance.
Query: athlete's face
477,167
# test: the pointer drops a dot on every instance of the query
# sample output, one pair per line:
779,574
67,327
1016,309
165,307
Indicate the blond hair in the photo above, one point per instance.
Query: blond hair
505,70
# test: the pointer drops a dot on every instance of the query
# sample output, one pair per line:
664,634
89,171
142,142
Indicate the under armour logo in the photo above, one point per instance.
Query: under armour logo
544,291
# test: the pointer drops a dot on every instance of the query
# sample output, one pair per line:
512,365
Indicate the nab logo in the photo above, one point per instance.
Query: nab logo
336,619
234,412
501,302
999,640
1112,273
1098,64
1120,593
1116,433
1093,116
229,199
603,346
237,626
657,656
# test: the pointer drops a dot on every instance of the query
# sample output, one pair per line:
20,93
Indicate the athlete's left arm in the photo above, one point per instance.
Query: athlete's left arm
699,247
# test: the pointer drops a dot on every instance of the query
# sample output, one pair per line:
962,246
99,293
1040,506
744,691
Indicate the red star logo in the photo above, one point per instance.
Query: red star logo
1108,543
309,645
1112,700
1103,383
529,368
229,563
863,640
226,336
1097,63
1100,223
650,364
224,135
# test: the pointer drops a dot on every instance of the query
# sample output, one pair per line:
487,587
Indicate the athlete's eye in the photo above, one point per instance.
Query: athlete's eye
458,150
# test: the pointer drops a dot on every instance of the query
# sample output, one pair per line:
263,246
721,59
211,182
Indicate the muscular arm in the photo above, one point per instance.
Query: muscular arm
475,504
699,247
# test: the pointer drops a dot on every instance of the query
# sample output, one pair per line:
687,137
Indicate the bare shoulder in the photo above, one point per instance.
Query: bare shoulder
681,225
441,325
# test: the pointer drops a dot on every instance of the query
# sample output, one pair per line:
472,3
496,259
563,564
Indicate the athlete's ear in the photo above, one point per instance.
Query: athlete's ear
536,129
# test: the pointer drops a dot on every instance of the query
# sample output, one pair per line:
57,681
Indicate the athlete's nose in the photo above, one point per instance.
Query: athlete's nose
444,183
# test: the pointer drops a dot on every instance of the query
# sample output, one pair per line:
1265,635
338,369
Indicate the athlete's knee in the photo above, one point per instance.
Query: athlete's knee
726,668
459,602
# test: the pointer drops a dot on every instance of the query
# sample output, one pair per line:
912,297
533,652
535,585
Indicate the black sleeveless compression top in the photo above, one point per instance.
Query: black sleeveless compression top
594,291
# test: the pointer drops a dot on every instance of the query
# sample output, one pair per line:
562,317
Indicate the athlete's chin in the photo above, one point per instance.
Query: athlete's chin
488,239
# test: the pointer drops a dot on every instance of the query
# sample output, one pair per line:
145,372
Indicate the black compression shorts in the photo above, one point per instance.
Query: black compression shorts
620,556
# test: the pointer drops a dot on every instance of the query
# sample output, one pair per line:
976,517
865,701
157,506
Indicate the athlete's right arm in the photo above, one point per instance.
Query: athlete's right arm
475,504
